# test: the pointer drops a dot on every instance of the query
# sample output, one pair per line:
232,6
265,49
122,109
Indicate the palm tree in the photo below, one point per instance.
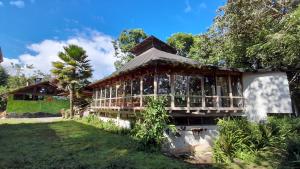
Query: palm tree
72,71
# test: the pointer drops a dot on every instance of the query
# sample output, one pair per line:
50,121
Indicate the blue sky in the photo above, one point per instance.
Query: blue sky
28,26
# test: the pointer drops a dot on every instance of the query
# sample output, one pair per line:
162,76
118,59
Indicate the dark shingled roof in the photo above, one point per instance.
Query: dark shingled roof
150,56
155,55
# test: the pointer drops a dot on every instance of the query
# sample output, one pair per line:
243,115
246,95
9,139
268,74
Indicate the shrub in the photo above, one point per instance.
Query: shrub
108,126
149,129
239,138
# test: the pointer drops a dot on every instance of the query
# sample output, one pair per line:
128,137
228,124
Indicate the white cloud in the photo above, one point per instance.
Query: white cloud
18,3
188,7
97,45
1,3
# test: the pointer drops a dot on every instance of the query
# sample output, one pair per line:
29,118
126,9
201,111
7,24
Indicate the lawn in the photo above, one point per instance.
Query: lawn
70,144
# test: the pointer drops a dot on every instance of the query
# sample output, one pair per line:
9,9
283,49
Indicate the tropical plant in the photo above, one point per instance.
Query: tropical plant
72,71
154,120
182,42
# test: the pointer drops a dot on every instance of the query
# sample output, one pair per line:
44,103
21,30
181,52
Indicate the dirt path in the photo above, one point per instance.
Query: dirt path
30,120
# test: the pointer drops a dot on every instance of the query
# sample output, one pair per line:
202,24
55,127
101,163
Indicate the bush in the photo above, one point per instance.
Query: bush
108,126
149,129
239,138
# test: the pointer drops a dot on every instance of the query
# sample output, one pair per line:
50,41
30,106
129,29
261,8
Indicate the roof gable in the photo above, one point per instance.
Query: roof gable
152,42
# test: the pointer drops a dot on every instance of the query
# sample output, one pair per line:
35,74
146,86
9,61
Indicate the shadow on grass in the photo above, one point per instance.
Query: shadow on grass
70,144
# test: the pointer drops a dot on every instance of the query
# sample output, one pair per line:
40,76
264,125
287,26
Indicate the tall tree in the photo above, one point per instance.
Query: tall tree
182,42
125,42
72,71
3,76
242,25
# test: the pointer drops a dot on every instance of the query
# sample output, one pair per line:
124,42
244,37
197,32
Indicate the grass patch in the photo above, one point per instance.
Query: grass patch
48,105
70,144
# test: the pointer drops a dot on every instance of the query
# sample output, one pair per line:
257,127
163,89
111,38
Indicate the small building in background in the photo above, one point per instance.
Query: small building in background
39,99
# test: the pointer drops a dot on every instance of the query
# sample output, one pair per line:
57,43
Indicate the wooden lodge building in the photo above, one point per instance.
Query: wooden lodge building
195,93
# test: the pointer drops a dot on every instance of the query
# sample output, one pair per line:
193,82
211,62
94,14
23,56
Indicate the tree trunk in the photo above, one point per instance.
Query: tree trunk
71,101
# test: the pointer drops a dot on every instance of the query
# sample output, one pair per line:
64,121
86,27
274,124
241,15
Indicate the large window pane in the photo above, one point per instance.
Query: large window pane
222,86
128,88
107,92
113,91
148,84
195,86
164,86
180,85
209,86
136,87
120,90
236,86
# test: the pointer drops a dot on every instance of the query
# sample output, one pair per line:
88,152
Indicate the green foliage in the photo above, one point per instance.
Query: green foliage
149,129
73,71
248,141
48,105
108,126
3,76
73,145
15,82
125,42
182,42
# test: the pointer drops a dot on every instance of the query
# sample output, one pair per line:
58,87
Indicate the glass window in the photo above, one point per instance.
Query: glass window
236,86
113,91
103,93
222,86
148,84
120,90
107,92
98,93
180,85
209,86
164,86
136,87
128,88
195,85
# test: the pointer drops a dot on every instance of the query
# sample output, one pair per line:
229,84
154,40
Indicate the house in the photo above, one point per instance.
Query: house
39,99
197,94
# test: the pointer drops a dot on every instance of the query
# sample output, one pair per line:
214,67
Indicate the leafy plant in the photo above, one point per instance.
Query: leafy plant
149,129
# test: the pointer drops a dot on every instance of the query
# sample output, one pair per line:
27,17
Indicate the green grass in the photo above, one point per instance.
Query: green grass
70,144
48,105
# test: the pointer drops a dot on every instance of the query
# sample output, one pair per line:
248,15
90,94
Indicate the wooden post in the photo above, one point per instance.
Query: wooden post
188,93
155,85
96,98
101,97
230,91
141,91
202,91
110,90
172,91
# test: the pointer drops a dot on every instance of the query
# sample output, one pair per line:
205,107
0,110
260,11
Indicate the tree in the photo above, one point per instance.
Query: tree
3,76
72,71
127,40
182,42
242,25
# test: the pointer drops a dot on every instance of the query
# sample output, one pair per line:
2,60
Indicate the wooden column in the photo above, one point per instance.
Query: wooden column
188,93
202,91
110,90
172,78
230,91
141,91
96,98
101,97
155,85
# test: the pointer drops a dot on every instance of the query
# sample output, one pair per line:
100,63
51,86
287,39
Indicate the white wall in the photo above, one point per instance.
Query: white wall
264,93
